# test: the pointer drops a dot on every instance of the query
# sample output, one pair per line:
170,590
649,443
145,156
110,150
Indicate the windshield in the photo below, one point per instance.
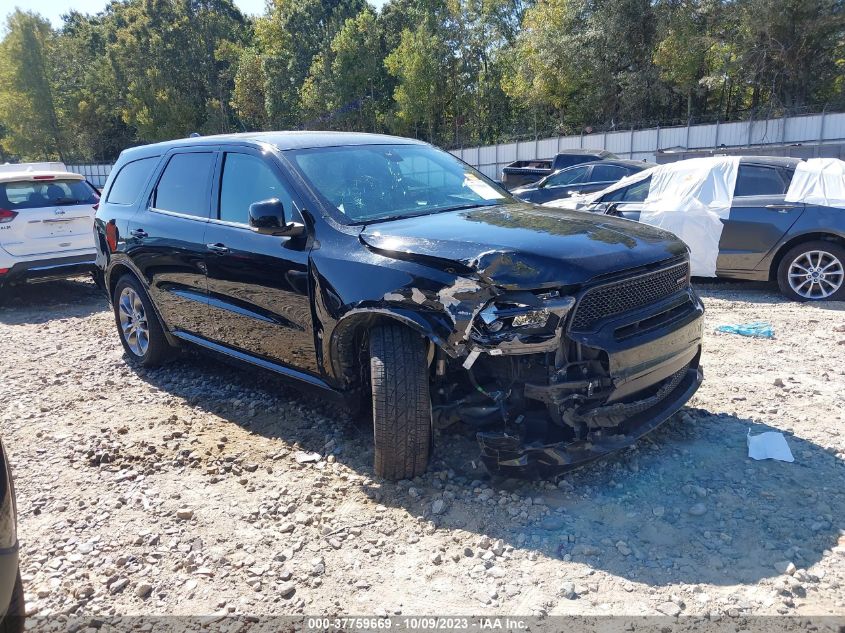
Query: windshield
29,194
368,183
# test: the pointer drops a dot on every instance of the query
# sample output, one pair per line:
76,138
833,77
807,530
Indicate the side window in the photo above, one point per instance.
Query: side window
607,173
637,192
567,177
185,184
130,180
247,179
752,180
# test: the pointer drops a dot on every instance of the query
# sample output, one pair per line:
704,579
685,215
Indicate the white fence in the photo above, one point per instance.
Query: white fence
813,129
96,174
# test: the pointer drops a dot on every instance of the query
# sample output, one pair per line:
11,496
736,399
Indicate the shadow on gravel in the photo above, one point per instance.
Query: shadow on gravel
685,505
39,303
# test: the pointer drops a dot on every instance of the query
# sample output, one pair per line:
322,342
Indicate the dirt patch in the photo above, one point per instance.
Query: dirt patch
181,490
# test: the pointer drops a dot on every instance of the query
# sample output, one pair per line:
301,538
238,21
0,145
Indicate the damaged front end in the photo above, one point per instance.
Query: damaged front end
551,379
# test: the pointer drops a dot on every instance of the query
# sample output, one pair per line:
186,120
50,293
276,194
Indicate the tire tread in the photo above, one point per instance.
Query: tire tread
401,402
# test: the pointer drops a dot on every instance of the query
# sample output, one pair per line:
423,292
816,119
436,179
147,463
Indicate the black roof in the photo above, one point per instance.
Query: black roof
280,140
620,162
584,152
776,161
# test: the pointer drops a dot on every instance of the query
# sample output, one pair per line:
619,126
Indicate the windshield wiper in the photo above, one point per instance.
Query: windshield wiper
460,207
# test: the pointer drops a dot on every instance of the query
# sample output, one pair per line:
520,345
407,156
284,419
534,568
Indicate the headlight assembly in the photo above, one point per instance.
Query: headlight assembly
522,313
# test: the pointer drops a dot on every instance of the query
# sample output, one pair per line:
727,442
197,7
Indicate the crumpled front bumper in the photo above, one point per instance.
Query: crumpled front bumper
505,454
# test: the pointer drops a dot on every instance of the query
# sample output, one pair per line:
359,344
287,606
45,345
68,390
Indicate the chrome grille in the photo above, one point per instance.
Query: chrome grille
628,294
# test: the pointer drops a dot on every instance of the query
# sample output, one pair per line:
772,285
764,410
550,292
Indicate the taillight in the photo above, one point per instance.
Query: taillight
3,271
7,216
111,235
43,177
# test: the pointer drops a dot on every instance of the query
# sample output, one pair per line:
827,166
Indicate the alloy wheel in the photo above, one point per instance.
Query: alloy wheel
133,322
816,274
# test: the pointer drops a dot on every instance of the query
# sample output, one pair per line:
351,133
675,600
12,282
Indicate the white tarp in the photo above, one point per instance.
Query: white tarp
579,201
818,181
690,198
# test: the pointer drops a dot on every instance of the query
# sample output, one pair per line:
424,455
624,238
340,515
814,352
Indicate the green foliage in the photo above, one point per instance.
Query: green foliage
454,72
420,65
346,84
27,107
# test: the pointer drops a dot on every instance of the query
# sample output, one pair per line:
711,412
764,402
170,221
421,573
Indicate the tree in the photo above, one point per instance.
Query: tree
346,86
789,50
171,58
420,67
288,40
27,108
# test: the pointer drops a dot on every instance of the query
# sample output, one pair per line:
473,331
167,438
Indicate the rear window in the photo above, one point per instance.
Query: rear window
48,193
606,173
752,180
569,161
130,180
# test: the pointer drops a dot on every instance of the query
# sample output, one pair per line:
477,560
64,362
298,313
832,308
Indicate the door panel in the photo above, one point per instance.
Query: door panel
755,225
168,244
258,284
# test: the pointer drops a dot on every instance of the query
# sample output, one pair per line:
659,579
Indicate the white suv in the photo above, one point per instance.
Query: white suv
46,223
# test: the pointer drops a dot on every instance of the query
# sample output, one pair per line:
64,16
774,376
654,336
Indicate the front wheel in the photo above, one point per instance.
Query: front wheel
401,402
813,271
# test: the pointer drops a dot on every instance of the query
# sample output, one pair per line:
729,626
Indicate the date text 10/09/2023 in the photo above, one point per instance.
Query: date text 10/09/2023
412,623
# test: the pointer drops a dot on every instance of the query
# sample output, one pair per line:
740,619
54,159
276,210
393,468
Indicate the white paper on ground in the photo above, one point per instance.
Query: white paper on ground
690,198
769,445
818,181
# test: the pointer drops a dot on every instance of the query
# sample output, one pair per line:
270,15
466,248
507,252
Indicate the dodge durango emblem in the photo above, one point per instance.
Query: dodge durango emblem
59,211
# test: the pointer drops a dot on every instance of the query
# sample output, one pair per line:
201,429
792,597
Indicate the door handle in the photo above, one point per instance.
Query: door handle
217,248
781,206
139,233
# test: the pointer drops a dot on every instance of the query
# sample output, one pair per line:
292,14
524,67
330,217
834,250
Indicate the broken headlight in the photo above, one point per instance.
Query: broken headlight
496,316
524,312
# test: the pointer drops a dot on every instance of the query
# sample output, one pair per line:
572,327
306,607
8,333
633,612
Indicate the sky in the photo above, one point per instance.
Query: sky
53,9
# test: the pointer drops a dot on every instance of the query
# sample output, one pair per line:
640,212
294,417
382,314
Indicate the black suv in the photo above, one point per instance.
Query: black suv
12,610
385,271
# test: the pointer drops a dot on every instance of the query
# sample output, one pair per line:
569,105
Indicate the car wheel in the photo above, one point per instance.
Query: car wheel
13,621
401,402
140,331
813,271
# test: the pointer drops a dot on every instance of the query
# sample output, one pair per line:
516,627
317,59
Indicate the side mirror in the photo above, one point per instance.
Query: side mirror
268,218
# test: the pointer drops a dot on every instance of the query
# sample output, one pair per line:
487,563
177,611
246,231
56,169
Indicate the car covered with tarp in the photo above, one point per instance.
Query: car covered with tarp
759,218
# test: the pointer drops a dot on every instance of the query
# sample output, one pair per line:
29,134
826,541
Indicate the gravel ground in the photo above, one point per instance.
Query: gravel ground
179,491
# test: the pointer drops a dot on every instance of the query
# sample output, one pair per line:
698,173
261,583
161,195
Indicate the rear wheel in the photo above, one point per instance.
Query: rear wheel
401,402
140,331
813,271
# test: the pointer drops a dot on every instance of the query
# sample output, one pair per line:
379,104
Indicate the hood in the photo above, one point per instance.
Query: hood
523,245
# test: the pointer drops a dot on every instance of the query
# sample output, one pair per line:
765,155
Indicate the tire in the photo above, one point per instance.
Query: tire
831,284
401,402
13,621
156,350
